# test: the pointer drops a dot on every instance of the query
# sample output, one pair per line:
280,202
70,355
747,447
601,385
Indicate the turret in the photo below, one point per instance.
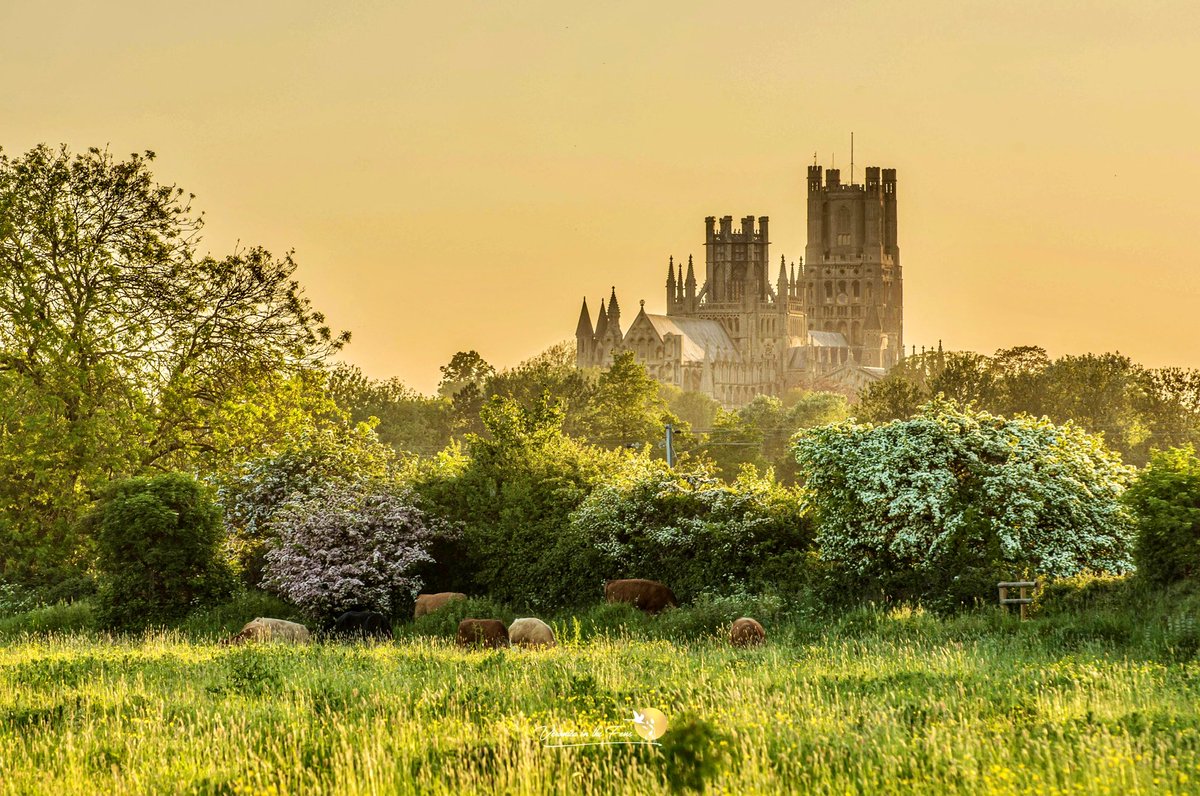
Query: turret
584,337
672,287
601,324
614,312
689,287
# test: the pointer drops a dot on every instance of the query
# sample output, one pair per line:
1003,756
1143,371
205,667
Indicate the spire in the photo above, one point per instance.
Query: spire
614,311
671,289
782,287
679,286
584,328
601,322
691,280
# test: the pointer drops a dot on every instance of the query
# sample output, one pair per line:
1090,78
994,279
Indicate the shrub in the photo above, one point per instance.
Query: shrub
350,545
694,753
695,533
255,490
514,495
57,618
1165,501
1081,593
944,505
158,544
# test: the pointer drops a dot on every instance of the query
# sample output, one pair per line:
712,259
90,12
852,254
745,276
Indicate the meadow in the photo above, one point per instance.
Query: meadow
875,701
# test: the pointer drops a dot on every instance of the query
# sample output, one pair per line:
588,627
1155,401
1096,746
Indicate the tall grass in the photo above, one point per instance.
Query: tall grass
877,701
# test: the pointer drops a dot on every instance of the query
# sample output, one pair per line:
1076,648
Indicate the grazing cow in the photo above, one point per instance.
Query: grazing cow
362,625
266,629
531,632
482,633
649,595
428,603
746,632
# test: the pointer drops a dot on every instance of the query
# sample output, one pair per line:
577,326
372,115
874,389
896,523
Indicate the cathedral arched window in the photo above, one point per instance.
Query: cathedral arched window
828,292
843,226
854,290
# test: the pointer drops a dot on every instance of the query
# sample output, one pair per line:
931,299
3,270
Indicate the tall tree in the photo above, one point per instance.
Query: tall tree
119,344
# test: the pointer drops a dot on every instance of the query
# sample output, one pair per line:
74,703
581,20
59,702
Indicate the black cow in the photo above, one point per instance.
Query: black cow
362,625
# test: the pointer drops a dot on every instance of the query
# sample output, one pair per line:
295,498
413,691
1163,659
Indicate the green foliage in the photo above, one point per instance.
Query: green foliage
691,531
626,409
76,617
758,434
405,420
950,502
694,752
1077,594
159,542
1137,409
1165,501
121,349
514,495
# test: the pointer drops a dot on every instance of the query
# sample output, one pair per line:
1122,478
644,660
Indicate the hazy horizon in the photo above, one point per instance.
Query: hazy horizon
456,178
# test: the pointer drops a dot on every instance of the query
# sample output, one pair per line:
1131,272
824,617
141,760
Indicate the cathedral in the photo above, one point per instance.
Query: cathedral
833,321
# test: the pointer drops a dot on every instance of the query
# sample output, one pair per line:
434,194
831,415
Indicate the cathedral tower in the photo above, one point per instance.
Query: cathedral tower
852,283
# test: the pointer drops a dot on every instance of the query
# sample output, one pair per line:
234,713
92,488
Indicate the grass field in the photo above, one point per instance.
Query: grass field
876,703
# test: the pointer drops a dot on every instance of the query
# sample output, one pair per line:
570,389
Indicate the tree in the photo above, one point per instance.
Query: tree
465,383
407,421
685,527
348,544
1165,501
626,409
953,500
159,542
514,494
119,345
465,368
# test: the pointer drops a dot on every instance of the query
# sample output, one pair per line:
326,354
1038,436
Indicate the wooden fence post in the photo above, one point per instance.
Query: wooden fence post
1024,600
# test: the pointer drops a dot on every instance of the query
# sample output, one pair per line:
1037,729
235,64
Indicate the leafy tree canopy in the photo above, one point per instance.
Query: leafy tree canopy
120,344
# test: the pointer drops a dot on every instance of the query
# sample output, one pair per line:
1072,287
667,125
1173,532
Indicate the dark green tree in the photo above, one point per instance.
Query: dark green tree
159,544
1165,500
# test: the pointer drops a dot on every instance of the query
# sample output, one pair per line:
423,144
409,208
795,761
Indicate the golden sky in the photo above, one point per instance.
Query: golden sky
459,175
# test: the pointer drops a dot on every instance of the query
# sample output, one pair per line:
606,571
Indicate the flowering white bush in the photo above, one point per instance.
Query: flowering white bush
952,487
350,544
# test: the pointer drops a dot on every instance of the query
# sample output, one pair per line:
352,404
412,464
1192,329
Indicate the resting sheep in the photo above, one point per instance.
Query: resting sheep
531,632
264,629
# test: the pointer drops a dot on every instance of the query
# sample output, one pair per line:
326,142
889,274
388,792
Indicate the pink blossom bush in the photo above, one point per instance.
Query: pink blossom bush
350,544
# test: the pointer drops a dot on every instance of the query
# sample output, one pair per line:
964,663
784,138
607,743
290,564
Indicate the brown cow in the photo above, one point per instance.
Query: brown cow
428,603
746,632
267,629
649,595
531,632
482,633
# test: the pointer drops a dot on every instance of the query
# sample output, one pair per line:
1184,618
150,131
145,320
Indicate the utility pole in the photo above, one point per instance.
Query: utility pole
670,445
